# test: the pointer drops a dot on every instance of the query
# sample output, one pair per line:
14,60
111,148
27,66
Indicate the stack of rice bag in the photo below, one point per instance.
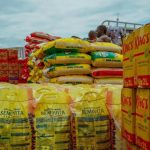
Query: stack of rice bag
65,61
68,63
107,64
46,117
68,60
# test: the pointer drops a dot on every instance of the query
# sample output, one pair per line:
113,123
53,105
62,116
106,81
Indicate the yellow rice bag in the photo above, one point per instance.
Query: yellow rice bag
73,79
104,46
90,122
35,75
52,121
67,58
15,131
65,45
70,69
37,53
75,44
109,81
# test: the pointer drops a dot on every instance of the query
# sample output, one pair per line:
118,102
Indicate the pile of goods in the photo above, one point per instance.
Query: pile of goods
35,40
52,116
136,91
107,67
72,60
12,70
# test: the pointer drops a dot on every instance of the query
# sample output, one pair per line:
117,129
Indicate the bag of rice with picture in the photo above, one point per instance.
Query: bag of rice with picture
90,122
72,79
104,46
106,59
15,131
52,121
67,58
70,69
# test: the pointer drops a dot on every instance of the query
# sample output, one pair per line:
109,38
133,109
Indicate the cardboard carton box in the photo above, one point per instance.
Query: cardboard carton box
12,55
13,76
4,76
143,118
3,55
128,102
4,65
142,55
13,66
129,74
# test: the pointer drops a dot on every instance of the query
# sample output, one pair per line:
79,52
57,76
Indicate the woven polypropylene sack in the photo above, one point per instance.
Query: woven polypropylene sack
67,58
71,69
73,79
106,59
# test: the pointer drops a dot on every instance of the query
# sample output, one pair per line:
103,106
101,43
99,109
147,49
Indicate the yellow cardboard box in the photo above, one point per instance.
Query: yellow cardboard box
128,101
128,62
143,118
142,55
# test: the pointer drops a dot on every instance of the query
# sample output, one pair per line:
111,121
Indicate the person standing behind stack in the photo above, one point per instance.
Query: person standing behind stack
102,34
92,37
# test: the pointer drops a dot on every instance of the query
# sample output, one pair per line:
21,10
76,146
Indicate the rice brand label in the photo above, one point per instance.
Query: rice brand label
8,113
143,118
129,62
53,112
128,103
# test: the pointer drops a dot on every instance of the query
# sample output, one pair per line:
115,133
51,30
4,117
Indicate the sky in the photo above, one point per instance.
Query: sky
19,18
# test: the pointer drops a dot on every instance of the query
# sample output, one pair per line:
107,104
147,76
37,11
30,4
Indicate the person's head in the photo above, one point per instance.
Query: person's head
92,35
101,30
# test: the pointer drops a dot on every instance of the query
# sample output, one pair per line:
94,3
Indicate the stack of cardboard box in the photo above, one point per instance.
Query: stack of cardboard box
23,71
9,65
3,65
136,91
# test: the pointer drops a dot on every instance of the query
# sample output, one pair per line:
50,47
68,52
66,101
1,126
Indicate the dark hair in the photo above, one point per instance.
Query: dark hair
102,28
92,32
75,37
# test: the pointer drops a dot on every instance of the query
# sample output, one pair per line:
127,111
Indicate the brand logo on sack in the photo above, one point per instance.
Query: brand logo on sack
96,110
7,113
126,100
136,43
141,102
53,112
